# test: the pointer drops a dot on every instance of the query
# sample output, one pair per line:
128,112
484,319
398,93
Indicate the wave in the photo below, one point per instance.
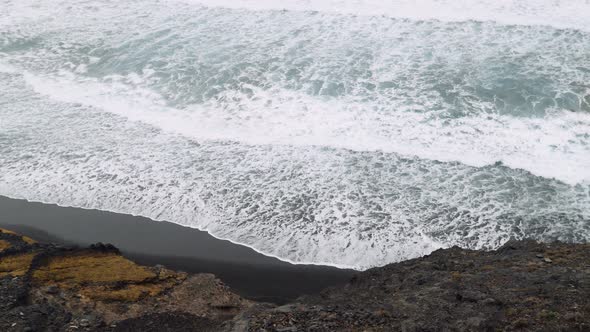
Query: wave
561,14
315,137
7,69
305,204
554,146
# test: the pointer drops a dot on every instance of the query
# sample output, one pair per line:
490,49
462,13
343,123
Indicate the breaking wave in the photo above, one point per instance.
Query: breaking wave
350,133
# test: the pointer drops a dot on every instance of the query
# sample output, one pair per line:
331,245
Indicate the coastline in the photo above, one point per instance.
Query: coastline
523,286
249,273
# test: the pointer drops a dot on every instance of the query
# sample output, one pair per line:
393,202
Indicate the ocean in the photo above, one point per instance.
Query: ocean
353,133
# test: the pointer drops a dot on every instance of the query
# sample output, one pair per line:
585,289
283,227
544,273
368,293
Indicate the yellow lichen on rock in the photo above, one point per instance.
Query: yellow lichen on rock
16,265
91,267
24,238
129,293
4,245
104,276
99,280
5,231
28,240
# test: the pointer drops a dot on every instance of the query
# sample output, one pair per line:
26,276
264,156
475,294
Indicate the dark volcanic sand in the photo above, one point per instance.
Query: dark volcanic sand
148,242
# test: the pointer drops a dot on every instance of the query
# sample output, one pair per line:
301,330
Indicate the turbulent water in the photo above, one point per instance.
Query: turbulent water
345,132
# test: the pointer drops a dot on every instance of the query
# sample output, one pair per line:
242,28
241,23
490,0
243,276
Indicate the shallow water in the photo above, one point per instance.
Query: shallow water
351,133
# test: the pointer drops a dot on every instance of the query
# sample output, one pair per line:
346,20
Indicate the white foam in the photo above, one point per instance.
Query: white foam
313,137
6,68
554,146
557,13
304,204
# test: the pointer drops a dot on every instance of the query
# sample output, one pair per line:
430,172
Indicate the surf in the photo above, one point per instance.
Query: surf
349,133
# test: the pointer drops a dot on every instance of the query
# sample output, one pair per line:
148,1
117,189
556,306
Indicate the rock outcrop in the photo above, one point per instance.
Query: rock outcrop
523,286
47,287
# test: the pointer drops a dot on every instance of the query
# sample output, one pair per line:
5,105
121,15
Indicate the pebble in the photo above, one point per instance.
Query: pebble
52,289
573,316
489,301
547,260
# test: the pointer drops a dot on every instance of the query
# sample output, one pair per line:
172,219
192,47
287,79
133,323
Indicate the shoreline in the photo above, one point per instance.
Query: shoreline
250,273
262,253
523,285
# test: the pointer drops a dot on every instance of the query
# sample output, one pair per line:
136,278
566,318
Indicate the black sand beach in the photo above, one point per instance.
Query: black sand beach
523,286
148,242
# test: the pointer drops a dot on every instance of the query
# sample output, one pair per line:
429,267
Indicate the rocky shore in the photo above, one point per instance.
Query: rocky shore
523,286
48,287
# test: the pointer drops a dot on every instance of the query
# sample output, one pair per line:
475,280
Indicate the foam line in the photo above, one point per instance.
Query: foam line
560,14
300,203
543,146
352,133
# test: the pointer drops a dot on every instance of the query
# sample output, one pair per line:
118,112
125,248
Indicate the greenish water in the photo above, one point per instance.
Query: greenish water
351,133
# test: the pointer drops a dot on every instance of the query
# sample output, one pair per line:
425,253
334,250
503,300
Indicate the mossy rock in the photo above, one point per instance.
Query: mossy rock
16,265
26,239
91,268
4,245
104,276
128,293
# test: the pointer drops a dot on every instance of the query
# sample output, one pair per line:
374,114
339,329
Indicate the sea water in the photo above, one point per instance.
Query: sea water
353,133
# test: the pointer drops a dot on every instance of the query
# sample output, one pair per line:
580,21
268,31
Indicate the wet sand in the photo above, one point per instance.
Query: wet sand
149,242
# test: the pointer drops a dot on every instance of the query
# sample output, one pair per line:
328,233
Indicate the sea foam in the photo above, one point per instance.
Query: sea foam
553,146
559,14
350,133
